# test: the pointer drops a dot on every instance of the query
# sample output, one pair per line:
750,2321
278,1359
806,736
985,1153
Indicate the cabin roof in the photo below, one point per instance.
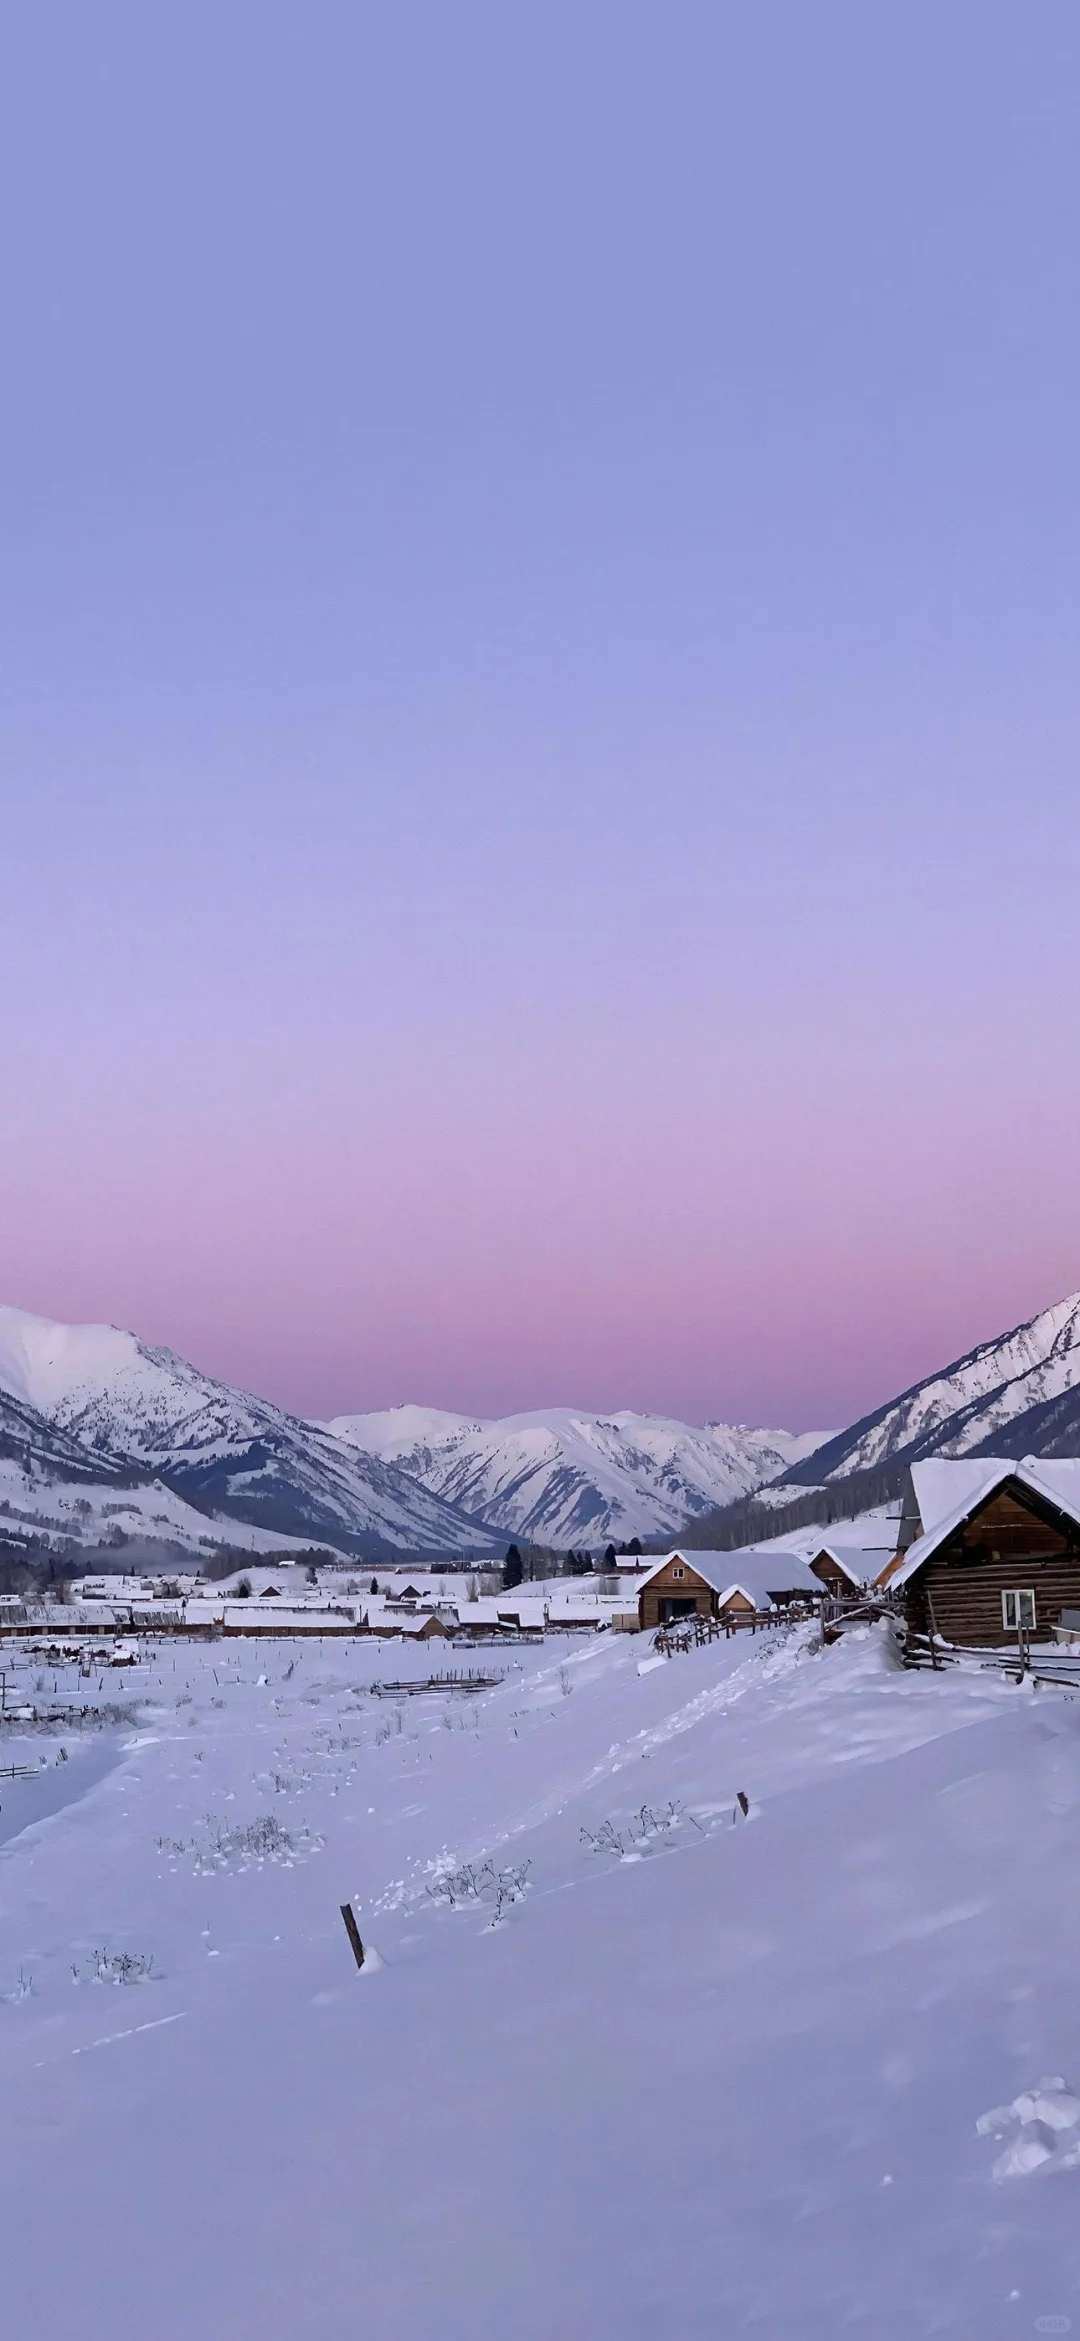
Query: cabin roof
1058,1483
848,1558
528,1611
758,1575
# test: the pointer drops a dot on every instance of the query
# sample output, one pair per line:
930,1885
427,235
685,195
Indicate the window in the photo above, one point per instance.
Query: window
677,1572
1018,1609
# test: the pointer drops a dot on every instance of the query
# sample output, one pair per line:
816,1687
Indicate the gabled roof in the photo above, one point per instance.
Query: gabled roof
713,1568
756,1574
976,1479
849,1560
940,1484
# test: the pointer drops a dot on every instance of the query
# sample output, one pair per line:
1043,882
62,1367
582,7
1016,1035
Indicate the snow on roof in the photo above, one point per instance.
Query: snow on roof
756,1573
857,1564
288,1618
529,1613
1058,1484
940,1485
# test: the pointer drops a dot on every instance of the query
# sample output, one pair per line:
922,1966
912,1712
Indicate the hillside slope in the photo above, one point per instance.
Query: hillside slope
1018,1394
623,2064
60,1503
41,1448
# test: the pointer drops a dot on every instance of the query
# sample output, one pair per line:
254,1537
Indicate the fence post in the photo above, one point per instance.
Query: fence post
353,1932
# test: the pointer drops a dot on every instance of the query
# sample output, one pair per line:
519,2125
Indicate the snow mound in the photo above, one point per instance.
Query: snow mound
1042,2127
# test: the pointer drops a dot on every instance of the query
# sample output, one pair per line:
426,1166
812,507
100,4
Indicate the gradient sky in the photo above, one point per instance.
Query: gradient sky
540,697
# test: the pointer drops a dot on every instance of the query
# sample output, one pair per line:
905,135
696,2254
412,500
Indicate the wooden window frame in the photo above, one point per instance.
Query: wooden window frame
1017,1594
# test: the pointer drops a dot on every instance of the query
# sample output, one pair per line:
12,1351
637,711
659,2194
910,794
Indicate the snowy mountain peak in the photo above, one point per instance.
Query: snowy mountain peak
41,1362
564,1477
1016,1393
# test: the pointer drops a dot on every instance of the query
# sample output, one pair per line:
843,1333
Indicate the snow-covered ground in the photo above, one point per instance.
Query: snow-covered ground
623,2064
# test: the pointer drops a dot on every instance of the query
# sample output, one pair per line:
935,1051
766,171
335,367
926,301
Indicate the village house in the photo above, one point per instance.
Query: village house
717,1584
841,1570
423,1626
989,1547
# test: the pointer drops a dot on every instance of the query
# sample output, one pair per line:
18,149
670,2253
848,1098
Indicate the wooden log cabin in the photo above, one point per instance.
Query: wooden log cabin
712,1584
987,1547
841,1574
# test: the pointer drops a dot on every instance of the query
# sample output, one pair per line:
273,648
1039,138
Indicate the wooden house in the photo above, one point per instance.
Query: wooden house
989,1546
713,1584
424,1626
840,1572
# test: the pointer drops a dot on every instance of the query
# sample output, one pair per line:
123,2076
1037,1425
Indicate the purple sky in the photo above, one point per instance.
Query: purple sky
539,692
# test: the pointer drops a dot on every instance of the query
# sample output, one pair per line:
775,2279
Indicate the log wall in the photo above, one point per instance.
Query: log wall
667,1586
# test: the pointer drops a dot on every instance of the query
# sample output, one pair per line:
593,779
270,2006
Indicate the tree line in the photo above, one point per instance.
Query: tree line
525,1564
751,1522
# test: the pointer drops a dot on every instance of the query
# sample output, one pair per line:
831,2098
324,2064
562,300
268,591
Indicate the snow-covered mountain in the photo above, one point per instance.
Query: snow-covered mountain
89,1514
41,1450
565,1479
58,1499
1016,1395
236,1457
101,1433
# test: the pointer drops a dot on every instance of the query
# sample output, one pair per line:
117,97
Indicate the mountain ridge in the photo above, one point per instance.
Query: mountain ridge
1006,1395
227,1453
60,1503
96,1406
565,1477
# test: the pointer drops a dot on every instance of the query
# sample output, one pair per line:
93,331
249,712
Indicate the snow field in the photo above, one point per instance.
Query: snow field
629,2064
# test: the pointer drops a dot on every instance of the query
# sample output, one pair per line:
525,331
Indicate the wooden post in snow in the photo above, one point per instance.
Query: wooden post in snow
353,1932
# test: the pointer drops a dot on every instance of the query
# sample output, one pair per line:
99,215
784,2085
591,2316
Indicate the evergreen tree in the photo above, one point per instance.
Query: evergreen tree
513,1571
609,1557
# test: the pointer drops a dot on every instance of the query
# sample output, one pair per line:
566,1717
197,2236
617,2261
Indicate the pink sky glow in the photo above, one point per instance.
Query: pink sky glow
541,713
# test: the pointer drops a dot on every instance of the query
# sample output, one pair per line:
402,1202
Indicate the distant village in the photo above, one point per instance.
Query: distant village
977,1554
